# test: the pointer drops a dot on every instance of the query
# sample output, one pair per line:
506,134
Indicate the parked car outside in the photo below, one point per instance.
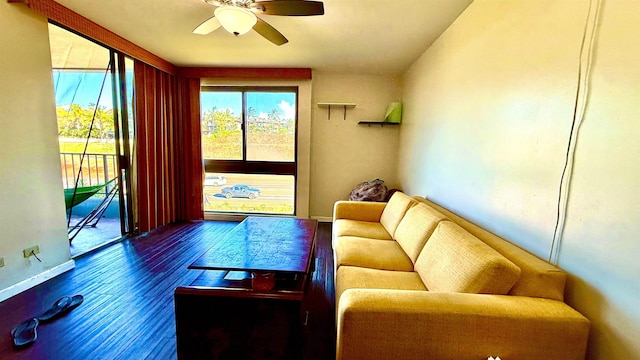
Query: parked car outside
240,190
214,180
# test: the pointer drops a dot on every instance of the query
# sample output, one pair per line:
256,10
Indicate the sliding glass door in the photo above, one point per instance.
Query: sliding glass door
94,97
249,149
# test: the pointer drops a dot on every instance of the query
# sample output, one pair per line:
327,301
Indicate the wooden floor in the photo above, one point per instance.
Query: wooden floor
128,290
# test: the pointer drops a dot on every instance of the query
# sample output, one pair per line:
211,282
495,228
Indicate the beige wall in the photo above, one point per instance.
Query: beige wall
343,153
31,198
604,206
488,110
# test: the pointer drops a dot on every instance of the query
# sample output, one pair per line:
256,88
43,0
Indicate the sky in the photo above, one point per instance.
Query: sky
263,102
83,88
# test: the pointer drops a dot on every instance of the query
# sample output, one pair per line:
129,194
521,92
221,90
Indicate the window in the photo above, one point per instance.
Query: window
249,149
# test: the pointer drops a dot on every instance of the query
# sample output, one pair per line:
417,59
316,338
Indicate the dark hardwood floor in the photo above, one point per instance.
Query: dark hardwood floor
128,311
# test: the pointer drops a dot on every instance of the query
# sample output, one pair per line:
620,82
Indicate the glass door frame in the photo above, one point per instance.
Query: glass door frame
123,144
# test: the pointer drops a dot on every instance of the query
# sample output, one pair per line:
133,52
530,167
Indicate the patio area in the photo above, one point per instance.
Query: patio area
105,233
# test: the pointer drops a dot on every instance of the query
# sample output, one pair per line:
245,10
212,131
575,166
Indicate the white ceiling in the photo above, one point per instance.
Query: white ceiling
365,36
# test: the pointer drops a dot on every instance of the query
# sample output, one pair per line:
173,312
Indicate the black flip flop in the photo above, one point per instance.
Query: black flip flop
25,334
56,310
75,301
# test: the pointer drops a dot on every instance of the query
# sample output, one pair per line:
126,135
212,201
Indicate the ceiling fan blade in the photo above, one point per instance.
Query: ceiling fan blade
207,26
289,7
269,32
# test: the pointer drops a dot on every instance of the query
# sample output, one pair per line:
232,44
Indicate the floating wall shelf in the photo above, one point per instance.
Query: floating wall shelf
381,123
328,105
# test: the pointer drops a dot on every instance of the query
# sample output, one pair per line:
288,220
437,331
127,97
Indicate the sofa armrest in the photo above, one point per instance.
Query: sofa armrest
358,210
402,324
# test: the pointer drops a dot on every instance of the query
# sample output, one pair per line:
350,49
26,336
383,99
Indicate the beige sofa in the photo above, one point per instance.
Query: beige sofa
416,281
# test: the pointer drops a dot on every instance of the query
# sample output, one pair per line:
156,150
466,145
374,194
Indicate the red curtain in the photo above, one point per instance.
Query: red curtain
168,184
190,170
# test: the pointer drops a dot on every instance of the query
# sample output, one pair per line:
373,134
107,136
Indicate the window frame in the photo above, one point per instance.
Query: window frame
253,167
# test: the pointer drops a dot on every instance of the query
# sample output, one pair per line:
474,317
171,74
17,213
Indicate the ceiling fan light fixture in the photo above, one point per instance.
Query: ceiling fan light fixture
236,20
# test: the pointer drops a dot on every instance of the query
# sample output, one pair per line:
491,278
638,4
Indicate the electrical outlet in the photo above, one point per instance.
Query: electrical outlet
1,261
31,251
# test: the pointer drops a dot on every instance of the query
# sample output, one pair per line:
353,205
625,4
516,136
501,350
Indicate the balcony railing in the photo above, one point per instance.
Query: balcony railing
97,169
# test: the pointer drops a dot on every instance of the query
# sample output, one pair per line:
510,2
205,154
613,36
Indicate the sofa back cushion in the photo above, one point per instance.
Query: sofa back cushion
395,210
538,278
453,260
415,228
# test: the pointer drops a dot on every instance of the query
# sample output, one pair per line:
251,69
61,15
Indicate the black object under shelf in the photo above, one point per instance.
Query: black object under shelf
381,123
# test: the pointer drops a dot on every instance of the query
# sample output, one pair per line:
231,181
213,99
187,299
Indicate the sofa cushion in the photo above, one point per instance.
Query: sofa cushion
351,277
367,229
415,228
537,278
358,210
453,260
395,210
371,253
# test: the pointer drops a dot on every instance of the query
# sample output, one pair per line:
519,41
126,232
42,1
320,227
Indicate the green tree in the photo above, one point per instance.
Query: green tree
103,127
207,123
274,117
75,122
251,113
219,122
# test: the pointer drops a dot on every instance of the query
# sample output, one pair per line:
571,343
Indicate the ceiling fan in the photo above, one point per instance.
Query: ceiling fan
239,16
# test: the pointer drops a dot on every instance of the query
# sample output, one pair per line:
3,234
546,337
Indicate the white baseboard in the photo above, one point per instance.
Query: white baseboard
323,218
36,280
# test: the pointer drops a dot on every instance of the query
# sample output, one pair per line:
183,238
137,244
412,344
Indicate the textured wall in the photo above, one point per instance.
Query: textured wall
31,197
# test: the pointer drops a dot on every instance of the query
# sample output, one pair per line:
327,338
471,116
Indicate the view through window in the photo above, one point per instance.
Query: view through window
249,149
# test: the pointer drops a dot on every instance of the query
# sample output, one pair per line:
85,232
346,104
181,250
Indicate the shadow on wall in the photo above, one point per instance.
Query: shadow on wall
601,333
511,228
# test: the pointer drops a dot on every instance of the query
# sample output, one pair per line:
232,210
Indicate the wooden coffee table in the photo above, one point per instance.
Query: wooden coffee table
249,303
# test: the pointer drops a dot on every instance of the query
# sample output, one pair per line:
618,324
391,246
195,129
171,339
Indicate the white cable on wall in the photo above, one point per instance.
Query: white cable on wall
580,105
